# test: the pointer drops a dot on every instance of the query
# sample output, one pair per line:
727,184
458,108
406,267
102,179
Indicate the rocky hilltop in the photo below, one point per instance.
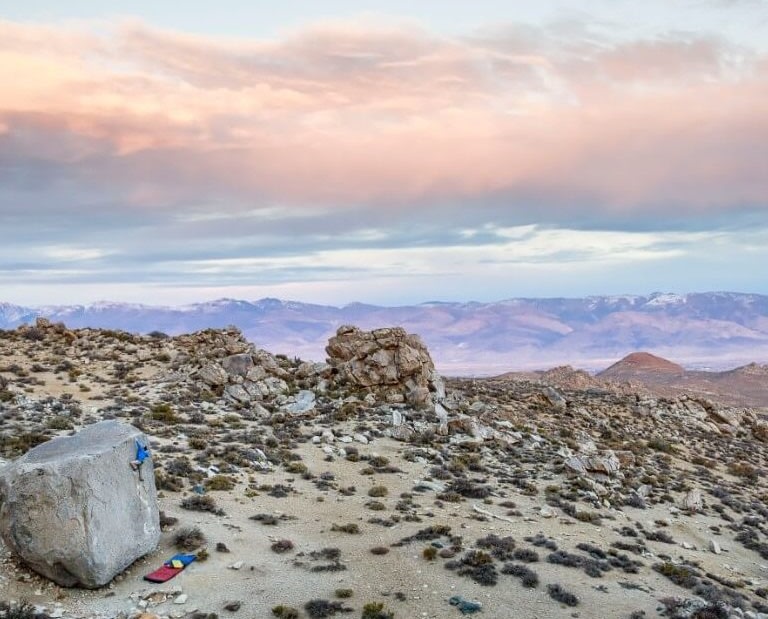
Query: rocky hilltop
368,484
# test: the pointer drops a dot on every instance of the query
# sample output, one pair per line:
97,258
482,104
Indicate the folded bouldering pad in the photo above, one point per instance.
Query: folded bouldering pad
171,568
163,574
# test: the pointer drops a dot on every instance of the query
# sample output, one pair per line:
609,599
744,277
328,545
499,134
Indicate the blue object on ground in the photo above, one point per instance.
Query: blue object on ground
186,559
465,606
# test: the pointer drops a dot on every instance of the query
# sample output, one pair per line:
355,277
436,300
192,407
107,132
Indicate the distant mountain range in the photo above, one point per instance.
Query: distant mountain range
713,330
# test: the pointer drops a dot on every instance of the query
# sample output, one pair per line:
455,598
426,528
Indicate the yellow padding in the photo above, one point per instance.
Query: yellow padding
177,564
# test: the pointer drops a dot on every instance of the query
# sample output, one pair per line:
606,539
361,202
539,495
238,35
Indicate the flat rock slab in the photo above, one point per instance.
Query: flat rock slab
75,511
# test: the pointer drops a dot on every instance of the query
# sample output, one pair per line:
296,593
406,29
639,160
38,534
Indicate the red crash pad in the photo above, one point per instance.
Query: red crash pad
163,574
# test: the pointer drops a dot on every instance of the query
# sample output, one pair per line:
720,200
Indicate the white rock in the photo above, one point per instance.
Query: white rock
74,510
714,547
236,565
181,598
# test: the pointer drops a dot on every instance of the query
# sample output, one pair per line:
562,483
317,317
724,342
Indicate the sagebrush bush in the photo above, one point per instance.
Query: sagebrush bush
201,503
189,538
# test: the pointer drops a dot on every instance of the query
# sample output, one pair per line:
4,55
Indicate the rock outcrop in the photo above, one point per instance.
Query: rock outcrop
394,365
75,511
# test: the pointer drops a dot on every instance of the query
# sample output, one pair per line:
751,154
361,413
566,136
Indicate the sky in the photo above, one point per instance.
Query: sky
386,152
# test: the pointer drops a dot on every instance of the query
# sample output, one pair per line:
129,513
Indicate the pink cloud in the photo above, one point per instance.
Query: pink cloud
350,113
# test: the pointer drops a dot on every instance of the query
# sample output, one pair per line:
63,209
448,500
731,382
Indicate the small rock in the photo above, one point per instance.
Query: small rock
714,547
693,500
237,565
233,607
181,599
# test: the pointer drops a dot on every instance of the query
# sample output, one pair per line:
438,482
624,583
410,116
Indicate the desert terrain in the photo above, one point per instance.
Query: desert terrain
365,486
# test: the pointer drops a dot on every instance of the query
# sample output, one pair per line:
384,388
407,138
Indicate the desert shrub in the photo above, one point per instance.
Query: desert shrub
427,535
189,538
318,609
682,575
219,482
526,555
167,521
540,540
744,470
561,557
267,519
20,610
282,545
429,553
59,422
285,612
343,594
179,466
14,445
636,501
660,444
592,567
33,334
297,468
557,592
164,412
202,503
378,491
197,442
659,536
350,528
478,566
527,576
379,550
468,488
500,547
450,497
327,554
171,483
376,610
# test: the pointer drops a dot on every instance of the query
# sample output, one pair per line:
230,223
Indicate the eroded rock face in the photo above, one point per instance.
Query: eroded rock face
75,511
389,362
606,464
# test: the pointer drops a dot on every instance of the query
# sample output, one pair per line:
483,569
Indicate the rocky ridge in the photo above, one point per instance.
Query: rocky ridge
618,499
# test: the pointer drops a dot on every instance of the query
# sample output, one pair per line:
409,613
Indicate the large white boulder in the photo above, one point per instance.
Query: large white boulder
75,511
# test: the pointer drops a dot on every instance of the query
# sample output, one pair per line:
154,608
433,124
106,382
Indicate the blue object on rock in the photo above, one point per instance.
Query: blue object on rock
142,453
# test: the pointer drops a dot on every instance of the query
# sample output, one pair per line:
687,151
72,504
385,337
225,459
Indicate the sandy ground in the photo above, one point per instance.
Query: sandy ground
268,579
